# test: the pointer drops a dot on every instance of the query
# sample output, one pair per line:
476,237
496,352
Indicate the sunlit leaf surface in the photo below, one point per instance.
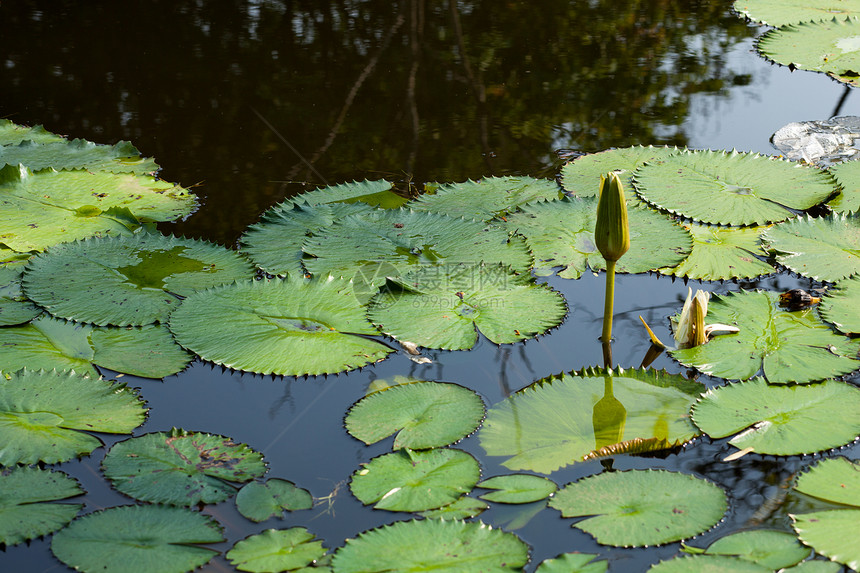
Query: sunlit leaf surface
641,507
832,533
825,249
25,508
276,550
781,12
258,501
767,547
582,175
78,154
847,174
723,253
836,480
12,133
573,563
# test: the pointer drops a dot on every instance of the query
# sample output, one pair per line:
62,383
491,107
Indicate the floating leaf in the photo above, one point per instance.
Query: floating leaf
436,310
557,420
275,243
78,154
840,306
518,488
464,508
788,346
48,343
814,566
582,175
258,501
12,133
450,546
781,12
826,249
573,563
15,308
423,414
836,480
641,507
276,550
132,280
781,420
707,564
487,198
138,539
769,548
827,46
408,240
287,327
42,413
832,533
720,253
375,193
180,468
24,509
415,481
48,207
732,188
847,174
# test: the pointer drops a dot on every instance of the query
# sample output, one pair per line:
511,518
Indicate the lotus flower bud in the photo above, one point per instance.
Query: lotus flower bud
612,232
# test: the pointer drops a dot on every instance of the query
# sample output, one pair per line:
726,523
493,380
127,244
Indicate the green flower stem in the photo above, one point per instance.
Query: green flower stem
608,301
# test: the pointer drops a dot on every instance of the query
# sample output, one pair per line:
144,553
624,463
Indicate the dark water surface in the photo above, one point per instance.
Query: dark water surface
257,100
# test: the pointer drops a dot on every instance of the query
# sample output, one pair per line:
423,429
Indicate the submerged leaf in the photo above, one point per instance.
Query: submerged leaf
276,550
258,501
825,249
25,511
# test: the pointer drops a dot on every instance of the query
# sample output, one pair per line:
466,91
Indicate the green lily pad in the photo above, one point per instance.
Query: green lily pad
423,414
814,566
450,546
780,12
641,507
824,249
51,343
720,253
832,533
827,46
847,174
464,508
276,550
12,133
786,346
138,539
181,468
781,420
732,188
78,154
573,563
44,208
25,509
445,310
487,198
288,327
375,193
275,243
409,240
836,480
582,175
415,481
707,564
132,280
15,308
569,417
258,501
43,415
769,548
518,488
840,306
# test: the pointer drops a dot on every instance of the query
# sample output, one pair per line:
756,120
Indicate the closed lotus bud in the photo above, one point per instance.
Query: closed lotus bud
612,232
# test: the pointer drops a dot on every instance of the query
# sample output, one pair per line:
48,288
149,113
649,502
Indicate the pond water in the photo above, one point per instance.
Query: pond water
254,101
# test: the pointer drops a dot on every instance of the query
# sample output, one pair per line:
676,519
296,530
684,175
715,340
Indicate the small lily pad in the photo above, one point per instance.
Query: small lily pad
290,327
518,488
125,281
769,548
423,414
450,546
824,249
181,468
25,508
720,253
138,539
258,501
415,481
840,306
276,550
573,563
781,420
642,507
44,415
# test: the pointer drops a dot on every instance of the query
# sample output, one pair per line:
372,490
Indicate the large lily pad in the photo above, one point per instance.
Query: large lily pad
12,133
781,12
437,310
832,533
826,46
15,307
582,175
720,253
44,415
732,188
423,414
786,346
415,481
44,208
767,547
407,240
781,420
487,198
138,539
258,501
51,343
835,480
276,550
25,508
642,507
181,468
78,154
825,248
132,280
847,174
841,306
567,417
289,327
446,546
